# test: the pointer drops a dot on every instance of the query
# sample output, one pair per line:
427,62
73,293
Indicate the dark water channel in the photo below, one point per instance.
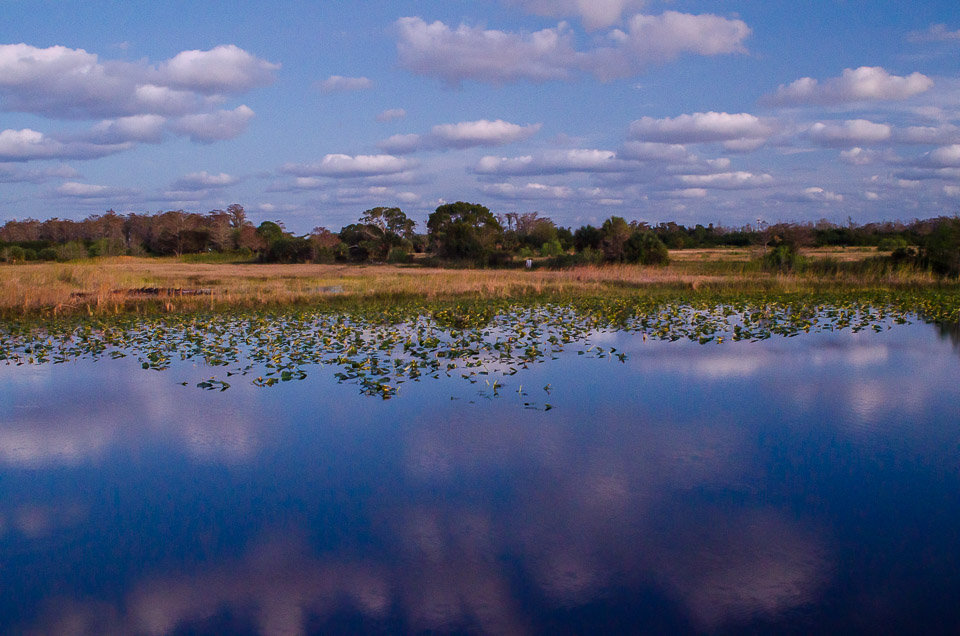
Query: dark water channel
795,485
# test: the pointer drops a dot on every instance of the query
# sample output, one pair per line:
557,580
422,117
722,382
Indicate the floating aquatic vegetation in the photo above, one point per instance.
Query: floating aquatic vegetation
378,349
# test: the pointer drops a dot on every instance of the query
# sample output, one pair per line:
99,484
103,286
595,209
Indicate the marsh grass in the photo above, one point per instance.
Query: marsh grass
107,286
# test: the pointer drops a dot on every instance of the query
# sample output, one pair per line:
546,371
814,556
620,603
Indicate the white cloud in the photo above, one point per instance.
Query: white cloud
29,145
216,126
928,135
73,189
11,173
468,134
727,180
532,191
347,166
482,133
65,83
952,191
402,144
341,84
204,180
703,128
485,55
686,193
139,128
867,83
653,151
657,39
936,33
226,68
554,162
817,194
497,57
596,14
858,156
852,132
392,114
945,157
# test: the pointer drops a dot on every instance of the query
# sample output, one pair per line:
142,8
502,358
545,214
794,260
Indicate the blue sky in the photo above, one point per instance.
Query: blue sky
312,112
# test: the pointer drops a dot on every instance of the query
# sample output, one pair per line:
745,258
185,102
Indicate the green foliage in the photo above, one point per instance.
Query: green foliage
942,248
47,254
13,254
645,248
783,258
399,255
464,231
72,251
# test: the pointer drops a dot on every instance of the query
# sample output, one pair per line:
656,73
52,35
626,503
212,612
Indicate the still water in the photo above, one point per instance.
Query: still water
807,484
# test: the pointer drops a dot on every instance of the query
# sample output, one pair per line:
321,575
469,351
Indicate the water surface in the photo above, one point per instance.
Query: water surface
805,484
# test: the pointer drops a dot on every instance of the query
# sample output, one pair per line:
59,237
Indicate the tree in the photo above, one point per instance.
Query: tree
390,221
464,231
616,231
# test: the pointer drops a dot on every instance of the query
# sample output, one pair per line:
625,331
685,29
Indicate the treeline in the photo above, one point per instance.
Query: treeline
459,232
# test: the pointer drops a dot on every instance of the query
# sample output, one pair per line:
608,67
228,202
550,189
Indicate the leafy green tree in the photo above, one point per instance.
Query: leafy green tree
390,221
466,231
645,248
616,231
941,248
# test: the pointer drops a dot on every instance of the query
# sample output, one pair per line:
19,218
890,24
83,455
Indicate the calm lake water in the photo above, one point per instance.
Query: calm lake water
807,484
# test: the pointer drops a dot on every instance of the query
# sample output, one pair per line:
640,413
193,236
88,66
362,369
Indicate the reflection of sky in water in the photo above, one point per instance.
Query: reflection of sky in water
810,480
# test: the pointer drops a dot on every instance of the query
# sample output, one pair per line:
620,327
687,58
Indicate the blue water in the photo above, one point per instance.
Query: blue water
800,485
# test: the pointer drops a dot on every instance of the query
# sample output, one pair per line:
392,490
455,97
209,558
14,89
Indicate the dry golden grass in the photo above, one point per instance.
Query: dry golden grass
105,286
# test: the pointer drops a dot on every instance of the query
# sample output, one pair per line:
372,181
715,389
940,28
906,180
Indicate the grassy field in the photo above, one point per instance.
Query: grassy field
125,284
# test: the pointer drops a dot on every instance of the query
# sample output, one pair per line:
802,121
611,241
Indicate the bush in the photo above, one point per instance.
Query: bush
399,255
783,259
72,251
47,254
645,248
892,243
942,248
551,248
13,254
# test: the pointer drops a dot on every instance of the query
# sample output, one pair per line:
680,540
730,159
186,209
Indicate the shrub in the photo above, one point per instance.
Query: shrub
47,254
13,254
72,251
783,259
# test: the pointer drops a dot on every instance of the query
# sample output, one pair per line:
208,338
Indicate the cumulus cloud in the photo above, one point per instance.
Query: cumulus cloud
76,190
928,135
216,126
945,157
138,128
654,151
203,181
341,84
867,83
704,128
852,132
347,166
936,33
29,145
392,114
658,39
475,53
532,191
727,180
225,68
12,173
595,14
554,162
814,194
65,83
467,134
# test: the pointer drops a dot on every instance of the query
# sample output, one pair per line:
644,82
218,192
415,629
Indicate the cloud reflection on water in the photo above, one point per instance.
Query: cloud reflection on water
483,503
